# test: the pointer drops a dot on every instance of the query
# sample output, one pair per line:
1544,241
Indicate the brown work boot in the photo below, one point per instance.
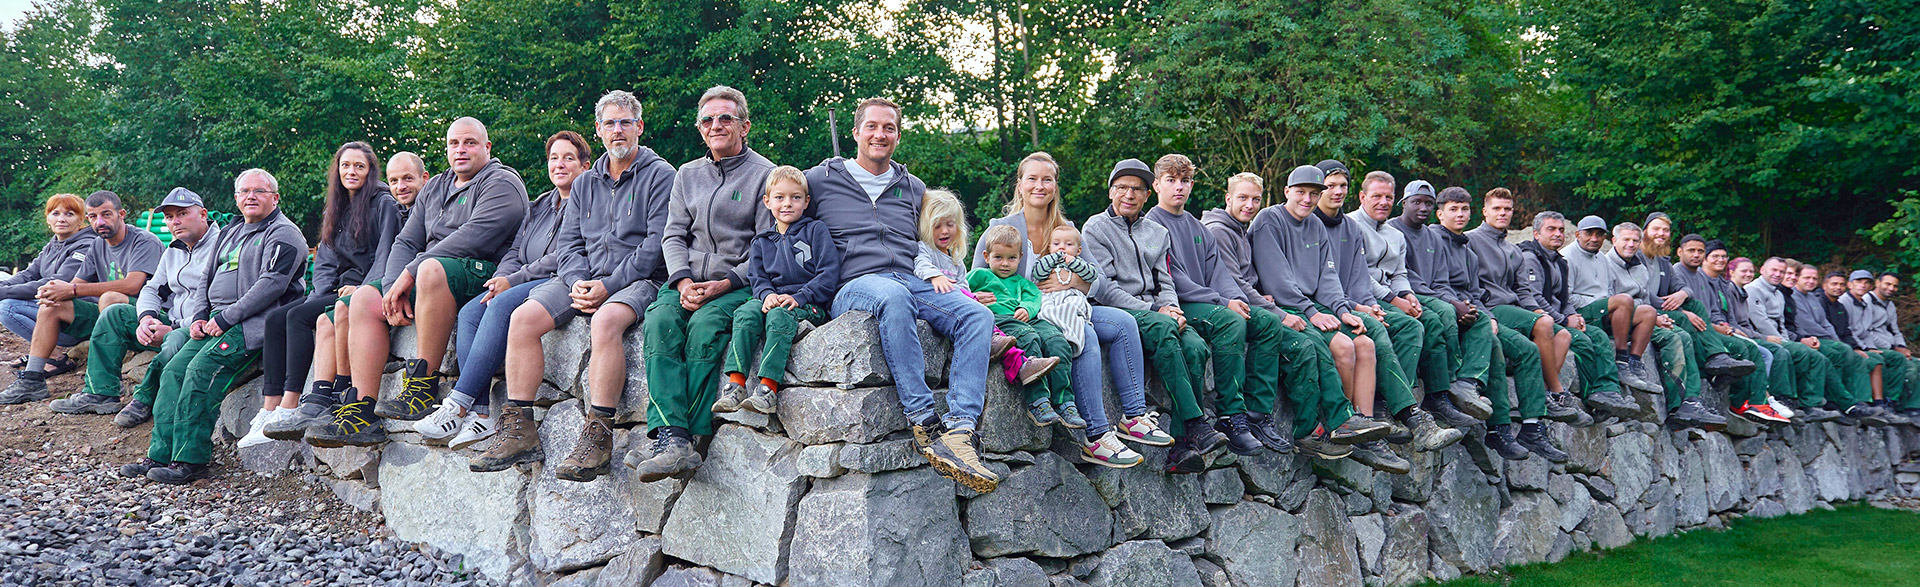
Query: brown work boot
518,441
592,455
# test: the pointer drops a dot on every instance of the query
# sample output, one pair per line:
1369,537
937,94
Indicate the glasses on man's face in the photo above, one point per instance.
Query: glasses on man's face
711,121
1127,189
619,123
253,192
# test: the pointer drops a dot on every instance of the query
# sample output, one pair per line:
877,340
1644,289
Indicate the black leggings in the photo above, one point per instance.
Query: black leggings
289,345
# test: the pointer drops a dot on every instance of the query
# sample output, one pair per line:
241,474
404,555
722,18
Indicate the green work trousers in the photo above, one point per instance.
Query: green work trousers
1217,334
1849,382
778,325
187,405
113,336
683,354
1267,342
1519,358
1318,400
1160,340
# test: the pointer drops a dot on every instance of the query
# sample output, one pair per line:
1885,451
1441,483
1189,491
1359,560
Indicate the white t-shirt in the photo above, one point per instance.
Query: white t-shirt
874,184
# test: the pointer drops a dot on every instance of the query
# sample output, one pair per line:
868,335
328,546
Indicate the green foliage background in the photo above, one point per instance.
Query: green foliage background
1783,127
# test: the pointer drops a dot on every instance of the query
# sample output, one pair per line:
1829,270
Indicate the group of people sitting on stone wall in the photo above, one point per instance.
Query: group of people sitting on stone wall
723,259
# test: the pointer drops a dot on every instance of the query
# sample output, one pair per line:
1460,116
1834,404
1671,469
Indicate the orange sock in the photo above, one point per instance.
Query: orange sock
739,379
772,386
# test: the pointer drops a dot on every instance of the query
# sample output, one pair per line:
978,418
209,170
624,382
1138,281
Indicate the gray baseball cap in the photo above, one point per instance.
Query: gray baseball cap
1592,222
1133,167
1307,175
1418,187
1860,274
181,198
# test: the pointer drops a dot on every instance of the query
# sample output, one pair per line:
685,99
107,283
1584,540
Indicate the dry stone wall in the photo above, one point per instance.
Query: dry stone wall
832,493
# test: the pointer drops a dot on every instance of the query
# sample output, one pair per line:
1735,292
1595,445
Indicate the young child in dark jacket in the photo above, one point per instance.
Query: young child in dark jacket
794,269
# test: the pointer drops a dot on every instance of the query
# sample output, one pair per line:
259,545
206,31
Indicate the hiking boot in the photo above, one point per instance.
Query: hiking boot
1034,369
1108,451
1397,433
1817,414
1562,407
1070,416
1144,429
1726,365
139,469
1500,439
1866,414
1760,414
760,400
1263,429
353,425
1202,438
1001,343
1442,409
134,414
1318,445
1613,403
1427,435
1633,375
1240,438
479,427
731,394
419,392
592,455
1892,416
1042,414
1691,414
178,473
954,457
444,422
1465,394
1845,418
86,403
27,386
1376,455
1534,437
519,443
1356,430
315,408
1184,460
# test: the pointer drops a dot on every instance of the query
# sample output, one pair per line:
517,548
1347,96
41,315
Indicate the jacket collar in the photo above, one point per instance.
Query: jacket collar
1331,221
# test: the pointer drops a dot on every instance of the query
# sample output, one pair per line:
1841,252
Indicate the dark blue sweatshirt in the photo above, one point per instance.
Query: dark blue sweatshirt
802,262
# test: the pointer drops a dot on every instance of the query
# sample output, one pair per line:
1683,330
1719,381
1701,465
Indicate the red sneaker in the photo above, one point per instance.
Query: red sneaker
1759,412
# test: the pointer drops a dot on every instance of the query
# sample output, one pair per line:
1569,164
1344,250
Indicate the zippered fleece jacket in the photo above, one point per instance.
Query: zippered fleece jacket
59,259
256,267
351,258
1229,237
1133,255
1198,275
473,221
1294,264
712,215
612,227
179,286
537,249
878,235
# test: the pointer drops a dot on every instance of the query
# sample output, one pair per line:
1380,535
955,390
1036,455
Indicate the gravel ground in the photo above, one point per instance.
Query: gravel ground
68,518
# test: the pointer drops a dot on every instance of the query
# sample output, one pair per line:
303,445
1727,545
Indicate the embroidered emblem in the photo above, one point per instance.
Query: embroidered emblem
802,252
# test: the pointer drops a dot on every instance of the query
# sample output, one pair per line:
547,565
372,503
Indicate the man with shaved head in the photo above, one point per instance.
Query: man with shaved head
461,223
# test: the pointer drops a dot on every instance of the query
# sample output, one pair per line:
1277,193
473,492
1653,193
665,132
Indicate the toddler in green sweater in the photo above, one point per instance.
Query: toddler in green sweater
1016,311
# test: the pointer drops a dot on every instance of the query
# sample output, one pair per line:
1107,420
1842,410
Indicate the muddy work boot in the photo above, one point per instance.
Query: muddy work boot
672,456
136,413
419,393
1500,439
1534,437
519,442
1376,455
86,403
1429,436
1465,394
27,386
592,455
953,456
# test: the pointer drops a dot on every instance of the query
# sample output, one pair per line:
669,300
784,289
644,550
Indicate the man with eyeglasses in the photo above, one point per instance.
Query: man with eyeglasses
462,222
256,267
871,205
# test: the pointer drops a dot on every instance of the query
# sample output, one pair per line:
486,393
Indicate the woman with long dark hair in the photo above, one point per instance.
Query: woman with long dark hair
359,208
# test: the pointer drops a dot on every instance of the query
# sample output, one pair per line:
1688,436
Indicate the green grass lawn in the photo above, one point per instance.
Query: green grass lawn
1853,545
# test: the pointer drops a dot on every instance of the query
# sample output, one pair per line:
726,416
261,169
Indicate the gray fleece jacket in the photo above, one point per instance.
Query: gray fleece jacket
59,259
1199,276
1458,271
1767,306
256,267
1428,261
1349,252
1499,266
1295,264
1133,256
1544,275
612,226
1810,317
1229,238
712,215
874,235
1386,250
1873,324
353,255
537,249
178,287
473,221
1630,276
1589,277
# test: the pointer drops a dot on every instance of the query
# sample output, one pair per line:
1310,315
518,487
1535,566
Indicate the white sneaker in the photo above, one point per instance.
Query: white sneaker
257,430
476,430
1780,408
443,422
1108,451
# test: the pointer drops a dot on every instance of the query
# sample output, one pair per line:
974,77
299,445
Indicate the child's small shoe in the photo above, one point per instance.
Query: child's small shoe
1042,414
1035,369
1001,343
1070,416
760,400
731,394
1144,429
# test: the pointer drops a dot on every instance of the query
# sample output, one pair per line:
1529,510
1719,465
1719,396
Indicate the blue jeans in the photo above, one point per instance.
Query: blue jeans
896,300
19,315
480,343
1119,338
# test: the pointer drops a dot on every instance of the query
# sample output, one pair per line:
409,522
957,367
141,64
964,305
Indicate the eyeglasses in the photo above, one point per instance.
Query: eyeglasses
721,120
620,122
1130,189
253,192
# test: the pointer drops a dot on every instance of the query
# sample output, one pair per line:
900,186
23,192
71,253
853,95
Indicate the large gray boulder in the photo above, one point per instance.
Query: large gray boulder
846,352
1630,465
1404,558
1607,528
1149,503
1329,554
1527,529
1726,479
577,525
430,496
1830,475
1255,543
1144,563
820,415
1463,514
898,528
1047,508
639,565
736,512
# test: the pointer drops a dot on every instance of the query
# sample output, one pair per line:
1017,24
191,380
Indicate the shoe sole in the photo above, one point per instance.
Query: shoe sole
244,443
1036,421
584,475
1363,437
24,400
463,445
100,409
1381,467
294,434
1456,438
1474,406
1145,441
1090,459
1564,418
117,422
403,417
527,457
965,478
720,409
1037,376
1330,456
771,409
331,442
